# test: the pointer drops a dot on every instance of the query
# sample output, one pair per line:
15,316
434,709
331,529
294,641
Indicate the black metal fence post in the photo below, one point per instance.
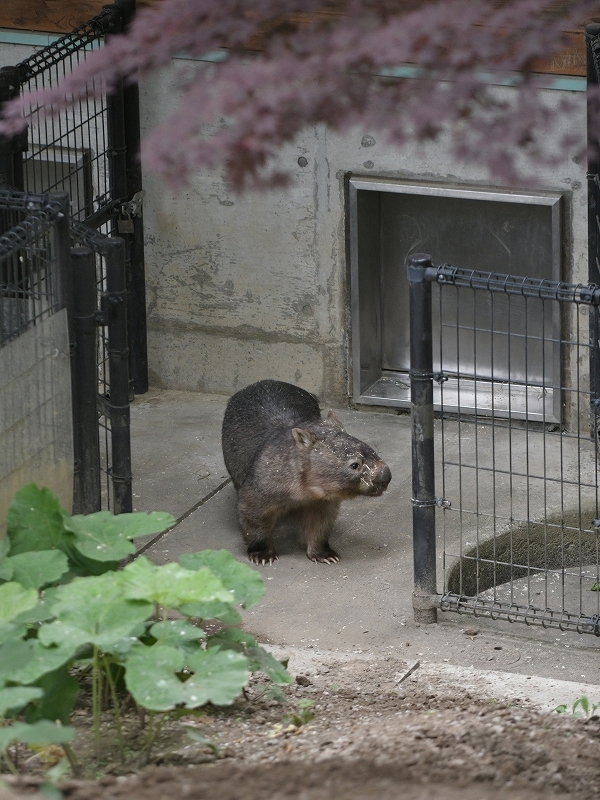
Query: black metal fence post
420,274
138,337
126,184
592,41
84,381
118,355
11,168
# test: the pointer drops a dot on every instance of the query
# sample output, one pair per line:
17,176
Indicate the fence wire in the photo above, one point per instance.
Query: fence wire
90,151
36,436
519,450
70,151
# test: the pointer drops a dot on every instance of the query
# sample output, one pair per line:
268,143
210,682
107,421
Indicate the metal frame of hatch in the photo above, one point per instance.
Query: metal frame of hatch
374,385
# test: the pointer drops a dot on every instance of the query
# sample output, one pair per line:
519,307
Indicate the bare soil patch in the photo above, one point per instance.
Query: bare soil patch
371,736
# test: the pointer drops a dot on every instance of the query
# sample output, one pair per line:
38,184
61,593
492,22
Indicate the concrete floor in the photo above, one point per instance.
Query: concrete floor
361,606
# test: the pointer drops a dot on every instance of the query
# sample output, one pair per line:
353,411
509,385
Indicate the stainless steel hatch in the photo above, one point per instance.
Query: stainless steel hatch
514,338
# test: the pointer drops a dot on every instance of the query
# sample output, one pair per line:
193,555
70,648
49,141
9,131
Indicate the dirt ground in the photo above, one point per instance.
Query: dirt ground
372,735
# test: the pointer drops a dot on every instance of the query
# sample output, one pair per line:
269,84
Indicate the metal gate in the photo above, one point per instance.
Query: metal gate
91,151
36,439
40,276
516,495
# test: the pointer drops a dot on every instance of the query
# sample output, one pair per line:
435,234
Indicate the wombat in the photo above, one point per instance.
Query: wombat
283,457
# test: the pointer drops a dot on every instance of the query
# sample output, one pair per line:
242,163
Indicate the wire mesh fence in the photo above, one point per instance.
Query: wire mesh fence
70,151
44,285
517,448
90,150
36,437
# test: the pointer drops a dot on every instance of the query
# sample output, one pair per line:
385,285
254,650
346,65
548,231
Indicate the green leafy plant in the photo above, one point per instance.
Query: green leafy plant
303,713
581,708
64,604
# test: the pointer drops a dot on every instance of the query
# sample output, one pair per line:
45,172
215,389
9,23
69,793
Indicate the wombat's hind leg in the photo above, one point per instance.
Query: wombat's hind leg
258,535
317,521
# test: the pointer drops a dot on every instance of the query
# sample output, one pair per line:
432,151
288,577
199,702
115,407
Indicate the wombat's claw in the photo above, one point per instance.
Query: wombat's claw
262,559
329,557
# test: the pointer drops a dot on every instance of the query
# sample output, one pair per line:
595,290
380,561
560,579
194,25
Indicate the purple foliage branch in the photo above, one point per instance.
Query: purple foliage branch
332,69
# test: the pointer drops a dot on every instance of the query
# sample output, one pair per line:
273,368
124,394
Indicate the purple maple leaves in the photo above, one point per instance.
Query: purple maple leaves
338,69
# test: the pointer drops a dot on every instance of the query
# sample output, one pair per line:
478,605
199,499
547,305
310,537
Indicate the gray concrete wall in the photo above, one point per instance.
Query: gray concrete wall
243,288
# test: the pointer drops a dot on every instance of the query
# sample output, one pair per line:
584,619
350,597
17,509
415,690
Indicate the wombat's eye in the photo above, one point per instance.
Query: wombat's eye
355,465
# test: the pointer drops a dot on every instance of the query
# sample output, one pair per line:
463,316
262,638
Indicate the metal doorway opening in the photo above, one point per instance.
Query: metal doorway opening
508,232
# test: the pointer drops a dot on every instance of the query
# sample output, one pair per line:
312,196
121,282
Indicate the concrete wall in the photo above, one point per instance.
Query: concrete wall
243,288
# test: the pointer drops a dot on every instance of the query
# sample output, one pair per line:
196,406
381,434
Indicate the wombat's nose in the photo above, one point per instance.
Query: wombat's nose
386,476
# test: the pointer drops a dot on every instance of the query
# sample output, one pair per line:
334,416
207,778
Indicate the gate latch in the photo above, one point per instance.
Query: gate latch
129,210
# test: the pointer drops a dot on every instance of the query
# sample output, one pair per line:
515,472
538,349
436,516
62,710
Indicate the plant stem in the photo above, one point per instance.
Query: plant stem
72,759
9,763
117,712
96,700
153,731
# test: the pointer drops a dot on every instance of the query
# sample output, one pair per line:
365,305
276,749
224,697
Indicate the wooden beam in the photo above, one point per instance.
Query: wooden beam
62,16
53,16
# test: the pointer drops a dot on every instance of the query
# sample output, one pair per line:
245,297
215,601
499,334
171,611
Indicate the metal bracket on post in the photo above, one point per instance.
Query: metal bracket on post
420,274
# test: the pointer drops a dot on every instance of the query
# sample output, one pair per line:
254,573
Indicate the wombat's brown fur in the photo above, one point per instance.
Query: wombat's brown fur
283,457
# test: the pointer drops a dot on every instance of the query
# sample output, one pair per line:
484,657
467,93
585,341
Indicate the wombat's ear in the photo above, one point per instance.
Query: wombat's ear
304,439
333,421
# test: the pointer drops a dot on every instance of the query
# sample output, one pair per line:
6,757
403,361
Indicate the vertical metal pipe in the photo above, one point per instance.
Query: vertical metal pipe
592,40
84,382
420,273
116,129
126,181
11,168
118,359
136,300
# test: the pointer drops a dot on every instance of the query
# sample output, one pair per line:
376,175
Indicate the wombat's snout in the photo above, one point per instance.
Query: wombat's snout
386,477
378,481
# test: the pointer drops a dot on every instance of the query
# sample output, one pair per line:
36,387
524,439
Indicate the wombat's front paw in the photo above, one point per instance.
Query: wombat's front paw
262,555
326,555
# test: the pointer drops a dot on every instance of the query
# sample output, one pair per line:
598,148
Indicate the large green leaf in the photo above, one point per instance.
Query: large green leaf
246,583
26,660
40,733
42,611
13,698
59,693
152,677
219,676
105,537
212,610
4,546
171,585
6,571
38,568
11,631
93,611
36,521
232,639
176,632
260,660
14,599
